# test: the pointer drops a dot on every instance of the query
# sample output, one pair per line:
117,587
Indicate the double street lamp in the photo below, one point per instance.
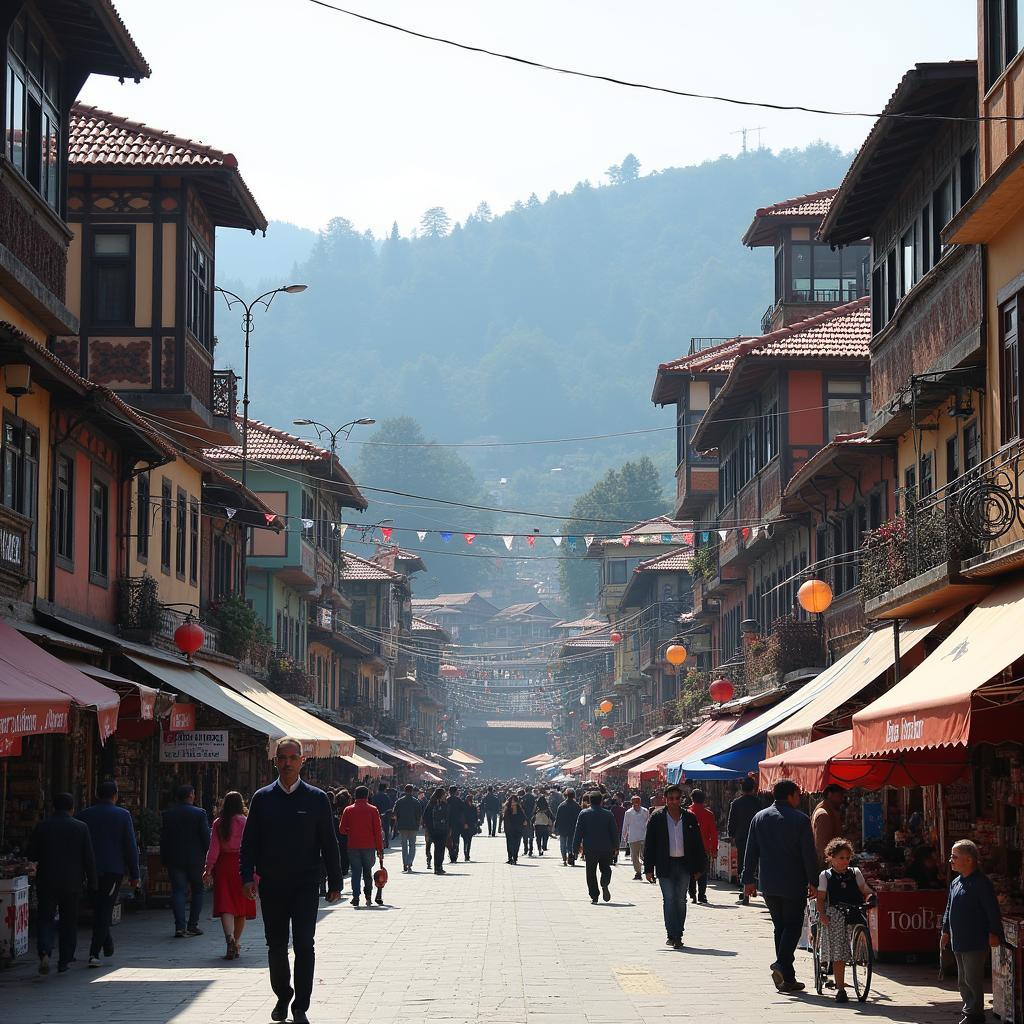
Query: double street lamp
265,300
345,428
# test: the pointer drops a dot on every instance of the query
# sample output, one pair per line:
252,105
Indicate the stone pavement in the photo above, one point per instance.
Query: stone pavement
488,944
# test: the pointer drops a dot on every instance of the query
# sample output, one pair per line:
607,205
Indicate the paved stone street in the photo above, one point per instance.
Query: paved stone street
488,943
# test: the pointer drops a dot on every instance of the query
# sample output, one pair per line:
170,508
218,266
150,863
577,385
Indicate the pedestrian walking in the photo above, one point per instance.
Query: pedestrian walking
618,813
456,810
514,820
972,924
827,819
673,853
491,807
435,824
528,802
61,849
361,824
112,832
230,903
741,814
288,832
184,840
542,822
634,832
709,837
470,824
408,815
554,800
841,890
565,826
384,802
598,838
780,847
341,800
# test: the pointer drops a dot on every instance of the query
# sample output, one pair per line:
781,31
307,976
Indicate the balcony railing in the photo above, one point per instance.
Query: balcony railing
791,645
703,344
225,394
766,319
172,618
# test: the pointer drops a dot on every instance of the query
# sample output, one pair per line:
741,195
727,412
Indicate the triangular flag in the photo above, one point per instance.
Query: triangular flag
589,538
334,526
571,543
446,536
422,534
627,539
342,528
386,532
745,532
704,535
688,539
470,537
508,542
722,533
531,540
270,517
666,538
230,512
756,531
558,541
307,524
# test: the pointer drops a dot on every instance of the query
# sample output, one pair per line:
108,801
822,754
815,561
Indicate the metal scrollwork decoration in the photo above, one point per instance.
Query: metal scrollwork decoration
987,508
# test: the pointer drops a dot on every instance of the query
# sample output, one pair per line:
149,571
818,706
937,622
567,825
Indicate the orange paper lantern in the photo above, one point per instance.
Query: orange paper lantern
814,596
676,654
606,706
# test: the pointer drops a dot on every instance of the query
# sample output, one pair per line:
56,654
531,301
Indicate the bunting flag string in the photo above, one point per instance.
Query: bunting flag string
230,512
270,517
470,537
571,543
557,541
508,542
422,534
626,539
531,540
342,528
445,536
589,539
386,532
307,524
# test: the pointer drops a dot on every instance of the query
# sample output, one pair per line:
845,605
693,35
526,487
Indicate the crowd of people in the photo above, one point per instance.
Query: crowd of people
295,844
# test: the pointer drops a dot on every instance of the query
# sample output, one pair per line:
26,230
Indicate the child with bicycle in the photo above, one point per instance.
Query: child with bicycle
842,890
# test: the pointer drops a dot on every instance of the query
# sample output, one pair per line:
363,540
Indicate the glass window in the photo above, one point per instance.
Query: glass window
193,537
854,261
200,284
972,446
64,508
179,535
616,570
927,474
111,269
827,274
848,405
165,525
142,517
908,275
1009,376
969,173
942,213
99,529
801,277
952,458
20,467
924,224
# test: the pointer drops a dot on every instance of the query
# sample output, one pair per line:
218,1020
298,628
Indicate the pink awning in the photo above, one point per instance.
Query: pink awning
654,767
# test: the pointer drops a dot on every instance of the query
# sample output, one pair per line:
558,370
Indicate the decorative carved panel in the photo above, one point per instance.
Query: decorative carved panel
113,200
197,218
31,243
199,373
67,350
168,362
121,362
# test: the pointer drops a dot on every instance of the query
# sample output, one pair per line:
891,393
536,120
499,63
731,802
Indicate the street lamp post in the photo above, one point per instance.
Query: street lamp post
265,299
345,428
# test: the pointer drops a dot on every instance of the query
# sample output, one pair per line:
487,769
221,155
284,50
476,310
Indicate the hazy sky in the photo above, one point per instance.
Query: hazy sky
330,116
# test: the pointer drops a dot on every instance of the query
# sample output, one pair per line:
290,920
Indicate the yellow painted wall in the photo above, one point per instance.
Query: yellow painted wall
143,275
14,315
172,589
169,273
934,442
73,290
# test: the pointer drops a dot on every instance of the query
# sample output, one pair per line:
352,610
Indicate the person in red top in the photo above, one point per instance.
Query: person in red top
361,825
709,833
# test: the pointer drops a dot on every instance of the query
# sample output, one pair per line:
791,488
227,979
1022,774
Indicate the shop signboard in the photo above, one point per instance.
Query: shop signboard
725,861
13,917
193,747
183,718
907,922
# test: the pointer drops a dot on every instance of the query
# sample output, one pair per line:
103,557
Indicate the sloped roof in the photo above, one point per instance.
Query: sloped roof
822,467
95,38
807,208
641,533
453,602
666,379
394,556
100,139
586,623
532,609
672,561
356,569
841,335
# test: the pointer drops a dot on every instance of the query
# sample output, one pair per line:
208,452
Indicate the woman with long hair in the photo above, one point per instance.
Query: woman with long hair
470,823
341,800
435,823
542,822
230,903
514,819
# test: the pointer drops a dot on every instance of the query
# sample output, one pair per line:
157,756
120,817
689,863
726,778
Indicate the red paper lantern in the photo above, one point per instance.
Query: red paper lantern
607,733
721,690
189,637
584,726
616,638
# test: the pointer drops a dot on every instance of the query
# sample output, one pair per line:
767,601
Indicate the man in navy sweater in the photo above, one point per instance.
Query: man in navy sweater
289,831
184,840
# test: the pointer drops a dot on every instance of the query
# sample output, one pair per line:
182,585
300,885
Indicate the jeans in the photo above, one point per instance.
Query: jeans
636,851
788,918
595,861
181,879
362,864
699,887
52,902
674,884
492,822
295,902
565,845
103,902
467,842
528,842
440,843
453,847
970,977
543,835
512,841
408,846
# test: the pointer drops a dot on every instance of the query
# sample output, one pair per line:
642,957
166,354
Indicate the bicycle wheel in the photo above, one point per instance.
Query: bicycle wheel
863,960
820,968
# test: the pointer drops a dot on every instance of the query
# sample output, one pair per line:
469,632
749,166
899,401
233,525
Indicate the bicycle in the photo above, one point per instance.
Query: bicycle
860,953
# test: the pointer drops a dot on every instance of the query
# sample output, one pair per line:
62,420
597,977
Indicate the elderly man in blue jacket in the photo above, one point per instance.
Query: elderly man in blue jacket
597,834
780,845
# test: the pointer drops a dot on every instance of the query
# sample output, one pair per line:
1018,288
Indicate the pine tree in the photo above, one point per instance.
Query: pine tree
435,222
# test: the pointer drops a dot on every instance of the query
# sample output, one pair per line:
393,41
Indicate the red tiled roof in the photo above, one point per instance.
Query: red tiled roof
672,561
665,386
353,569
99,138
763,227
855,443
534,609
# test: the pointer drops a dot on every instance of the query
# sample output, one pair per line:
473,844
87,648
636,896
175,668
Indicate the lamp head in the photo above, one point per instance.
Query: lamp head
294,289
366,421
302,423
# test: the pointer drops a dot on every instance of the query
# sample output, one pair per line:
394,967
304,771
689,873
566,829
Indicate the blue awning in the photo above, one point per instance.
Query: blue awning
735,764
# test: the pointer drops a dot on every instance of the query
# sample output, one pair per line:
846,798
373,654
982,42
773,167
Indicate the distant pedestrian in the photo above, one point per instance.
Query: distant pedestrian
384,802
554,800
361,823
435,825
827,819
117,856
456,810
408,815
542,824
674,852
618,810
971,925
470,824
184,840
709,836
598,838
288,833
529,804
230,902
781,847
514,820
634,832
565,826
61,849
741,814
490,805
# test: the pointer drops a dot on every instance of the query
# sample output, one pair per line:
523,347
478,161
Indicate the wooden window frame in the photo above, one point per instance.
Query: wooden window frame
99,535
64,511
143,504
1009,370
193,537
180,533
166,525
198,307
128,262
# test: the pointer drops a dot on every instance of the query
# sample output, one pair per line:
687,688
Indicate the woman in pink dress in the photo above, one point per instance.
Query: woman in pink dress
230,903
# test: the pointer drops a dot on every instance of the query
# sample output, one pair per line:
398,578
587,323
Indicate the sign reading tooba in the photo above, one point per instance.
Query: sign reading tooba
193,747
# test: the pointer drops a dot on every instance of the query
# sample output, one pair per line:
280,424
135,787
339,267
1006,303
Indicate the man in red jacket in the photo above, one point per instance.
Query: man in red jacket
360,822
709,833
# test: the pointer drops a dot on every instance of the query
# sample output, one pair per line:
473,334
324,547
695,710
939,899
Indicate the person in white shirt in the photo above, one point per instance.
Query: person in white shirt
634,831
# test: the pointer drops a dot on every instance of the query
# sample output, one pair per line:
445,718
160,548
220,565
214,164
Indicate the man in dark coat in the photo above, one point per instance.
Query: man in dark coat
565,825
529,802
62,851
289,833
737,826
456,820
491,805
674,851
184,840
117,855
384,802
597,835
780,846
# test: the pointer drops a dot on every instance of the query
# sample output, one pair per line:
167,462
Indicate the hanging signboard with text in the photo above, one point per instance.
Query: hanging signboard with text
193,747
